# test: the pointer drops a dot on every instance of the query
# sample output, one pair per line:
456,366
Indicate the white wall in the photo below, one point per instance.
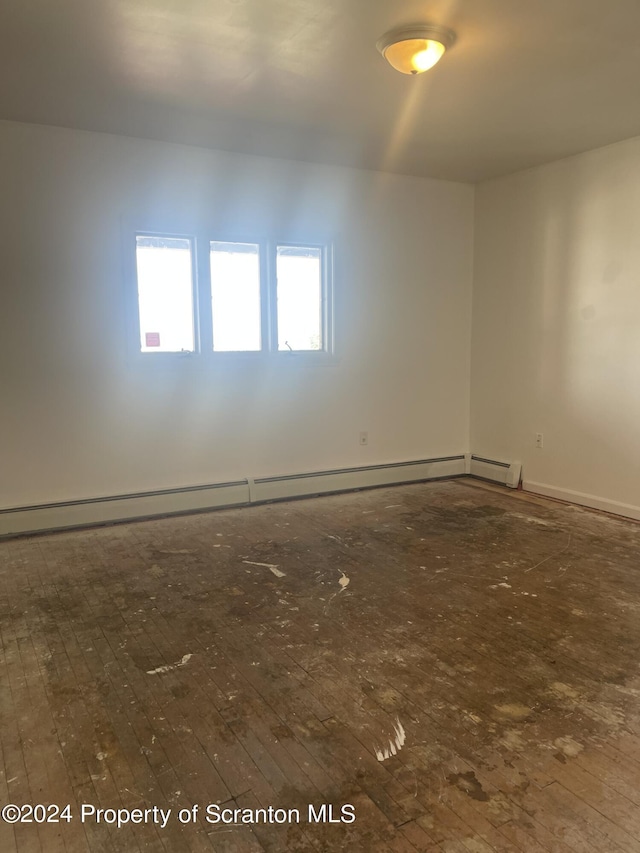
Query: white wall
79,420
556,326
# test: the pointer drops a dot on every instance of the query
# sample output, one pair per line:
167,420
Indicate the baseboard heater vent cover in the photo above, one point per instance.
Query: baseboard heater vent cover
114,508
506,473
347,479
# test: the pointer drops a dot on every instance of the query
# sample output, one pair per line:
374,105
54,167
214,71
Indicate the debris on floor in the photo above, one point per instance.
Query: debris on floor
395,745
169,666
273,568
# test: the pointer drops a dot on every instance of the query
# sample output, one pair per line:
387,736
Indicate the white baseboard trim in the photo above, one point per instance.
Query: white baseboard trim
84,513
592,501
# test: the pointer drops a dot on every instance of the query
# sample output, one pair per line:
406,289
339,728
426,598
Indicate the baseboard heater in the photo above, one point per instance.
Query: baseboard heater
505,473
106,510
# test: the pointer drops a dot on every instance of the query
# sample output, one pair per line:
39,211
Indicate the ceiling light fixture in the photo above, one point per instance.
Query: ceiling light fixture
412,50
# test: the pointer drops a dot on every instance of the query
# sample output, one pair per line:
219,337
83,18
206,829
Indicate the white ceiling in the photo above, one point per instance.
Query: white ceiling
528,81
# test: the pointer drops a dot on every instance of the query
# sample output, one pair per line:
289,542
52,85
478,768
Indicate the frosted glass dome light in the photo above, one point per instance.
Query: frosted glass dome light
412,50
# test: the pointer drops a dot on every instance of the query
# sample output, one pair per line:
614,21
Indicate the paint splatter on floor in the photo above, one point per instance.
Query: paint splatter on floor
395,745
271,566
170,666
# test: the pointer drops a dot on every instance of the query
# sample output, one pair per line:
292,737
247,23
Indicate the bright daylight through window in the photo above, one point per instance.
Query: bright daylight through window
235,296
165,293
253,297
299,276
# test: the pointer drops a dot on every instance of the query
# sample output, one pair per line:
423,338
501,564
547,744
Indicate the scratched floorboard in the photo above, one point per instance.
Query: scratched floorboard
484,643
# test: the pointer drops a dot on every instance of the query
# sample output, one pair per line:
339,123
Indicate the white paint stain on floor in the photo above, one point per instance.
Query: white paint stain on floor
565,691
178,551
568,746
170,666
513,740
395,745
514,711
272,568
531,519
344,582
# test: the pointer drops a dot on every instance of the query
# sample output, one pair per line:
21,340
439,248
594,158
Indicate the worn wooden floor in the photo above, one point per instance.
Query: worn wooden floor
271,656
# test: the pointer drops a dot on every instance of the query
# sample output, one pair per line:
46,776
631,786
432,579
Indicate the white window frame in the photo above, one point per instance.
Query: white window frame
202,303
195,297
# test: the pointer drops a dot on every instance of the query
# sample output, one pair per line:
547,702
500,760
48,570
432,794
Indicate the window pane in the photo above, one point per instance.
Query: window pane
165,294
299,277
235,296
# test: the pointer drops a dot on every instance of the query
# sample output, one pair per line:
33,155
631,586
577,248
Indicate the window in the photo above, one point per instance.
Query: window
235,296
232,296
165,293
299,288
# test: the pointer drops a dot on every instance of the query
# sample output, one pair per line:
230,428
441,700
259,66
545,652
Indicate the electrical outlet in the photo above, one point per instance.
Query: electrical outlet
364,438
539,440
